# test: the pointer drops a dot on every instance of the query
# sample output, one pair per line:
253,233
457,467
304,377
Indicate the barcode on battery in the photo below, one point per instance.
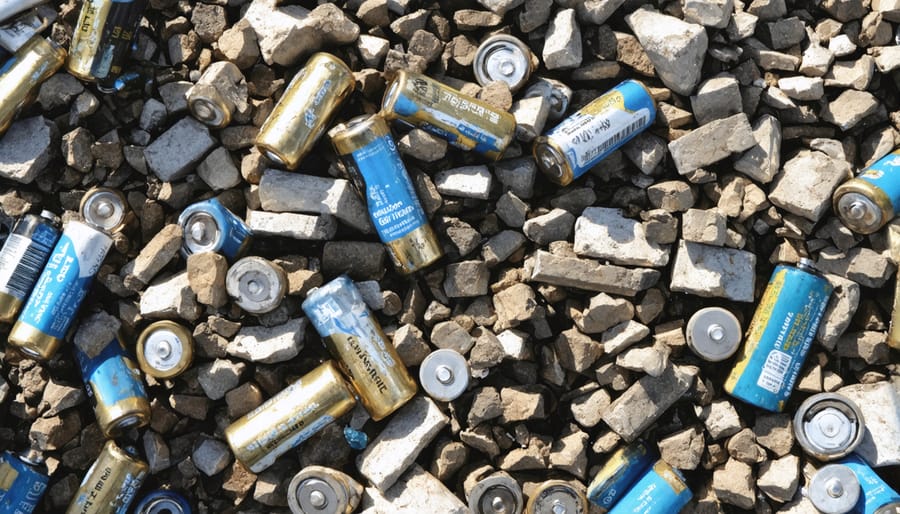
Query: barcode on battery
773,371
616,138
27,267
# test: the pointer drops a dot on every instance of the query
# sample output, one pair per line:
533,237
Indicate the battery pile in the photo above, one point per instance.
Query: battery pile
487,256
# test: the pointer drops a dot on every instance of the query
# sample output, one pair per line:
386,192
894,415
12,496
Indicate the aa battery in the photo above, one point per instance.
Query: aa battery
23,481
355,339
505,58
304,110
498,493
256,285
829,426
661,490
163,501
621,471
866,203
371,157
23,73
876,496
290,417
444,374
834,489
321,490
559,94
59,290
23,256
465,122
111,483
585,138
209,227
165,349
780,334
557,497
713,333
220,91
106,209
102,38
10,8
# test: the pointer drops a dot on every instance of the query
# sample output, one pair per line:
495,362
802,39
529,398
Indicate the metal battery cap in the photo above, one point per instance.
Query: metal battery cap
104,209
164,349
552,162
713,333
505,58
834,489
315,491
444,374
201,232
557,497
497,494
256,284
859,212
829,426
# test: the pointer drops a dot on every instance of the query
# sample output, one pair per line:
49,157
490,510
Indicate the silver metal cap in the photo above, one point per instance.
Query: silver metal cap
859,212
256,284
104,210
505,58
559,499
444,374
829,426
163,350
162,506
713,333
498,494
201,233
315,496
834,489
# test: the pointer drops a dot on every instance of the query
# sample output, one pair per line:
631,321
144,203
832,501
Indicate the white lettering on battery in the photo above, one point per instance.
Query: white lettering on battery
772,375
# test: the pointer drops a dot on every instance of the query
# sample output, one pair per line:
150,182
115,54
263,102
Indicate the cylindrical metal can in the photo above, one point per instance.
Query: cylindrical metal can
505,58
23,481
10,8
834,489
444,374
498,493
621,471
59,290
256,285
290,417
781,332
829,426
22,73
585,138
23,256
321,490
163,501
165,349
560,95
465,122
106,209
102,38
371,157
555,496
661,490
209,227
713,333
111,483
355,339
220,90
866,203
304,110
876,496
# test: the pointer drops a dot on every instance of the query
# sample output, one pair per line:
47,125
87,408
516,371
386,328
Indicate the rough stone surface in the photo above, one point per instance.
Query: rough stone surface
711,271
675,47
606,233
26,149
590,275
880,405
172,155
639,406
806,194
712,143
269,345
280,191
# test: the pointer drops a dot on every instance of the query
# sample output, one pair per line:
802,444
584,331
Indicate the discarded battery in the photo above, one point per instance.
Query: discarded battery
321,490
496,494
23,481
22,258
23,73
834,489
209,227
876,496
621,471
444,374
220,91
165,349
111,483
557,497
780,334
256,285
102,39
661,490
163,501
829,426
585,138
866,203
106,209
713,333
505,58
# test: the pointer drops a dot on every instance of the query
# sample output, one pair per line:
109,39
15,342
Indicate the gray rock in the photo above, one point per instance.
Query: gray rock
27,148
154,256
415,492
280,191
711,13
269,345
531,115
220,376
562,43
604,311
645,401
716,98
683,449
304,227
802,88
466,279
173,154
720,419
676,48
805,184
848,109
880,405
170,298
517,175
711,271
623,335
556,225
219,171
590,275
421,145
465,182
501,7
705,226
841,308
779,478
762,161
211,456
711,143
734,484
605,233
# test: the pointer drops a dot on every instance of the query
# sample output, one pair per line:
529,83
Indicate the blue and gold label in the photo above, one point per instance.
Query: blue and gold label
111,376
21,487
621,470
876,493
661,490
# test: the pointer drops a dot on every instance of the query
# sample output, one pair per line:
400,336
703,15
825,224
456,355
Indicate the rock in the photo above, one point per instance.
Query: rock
742,446
645,401
485,406
515,305
779,478
802,88
720,419
576,351
220,376
849,108
269,345
472,19
206,275
512,210
704,226
76,149
675,47
711,143
623,335
53,433
153,257
716,98
522,403
569,452
762,161
170,298
465,182
562,43
806,194
683,449
96,332
851,74
238,45
844,10
57,397
501,7
58,90
466,279
651,360
556,225
870,346
219,171
157,451
172,155
27,148
671,196
281,191
243,399
604,311
734,484
711,13
880,406
531,115
646,151
304,227
841,308
587,410
861,265
211,456
606,233
448,334
590,275
410,345
501,247
449,457
710,271
421,145
887,58
775,432
415,492
361,260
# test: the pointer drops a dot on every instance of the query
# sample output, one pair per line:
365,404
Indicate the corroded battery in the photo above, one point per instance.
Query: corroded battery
220,92
713,333
23,73
505,58
560,95
163,501
302,114
465,122
256,285
834,489
866,203
111,483
290,417
165,349
106,209
209,227
355,339
321,490
444,374
829,426
557,497
375,167
23,481
495,494
102,39
22,258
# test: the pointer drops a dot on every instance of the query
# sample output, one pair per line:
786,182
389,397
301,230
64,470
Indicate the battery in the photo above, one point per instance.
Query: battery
465,122
111,482
321,490
375,167
557,497
505,58
23,256
256,285
305,109
829,426
10,8
65,281
876,496
102,38
444,374
23,481
713,333
220,91
22,74
209,227
622,469
560,95
165,349
661,490
780,334
290,417
834,489
355,339
20,30
871,199
587,137
496,494
163,501
106,209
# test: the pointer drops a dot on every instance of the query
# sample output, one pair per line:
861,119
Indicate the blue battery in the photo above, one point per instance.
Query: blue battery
621,470
209,227
872,199
661,490
163,501
23,481
876,496
781,332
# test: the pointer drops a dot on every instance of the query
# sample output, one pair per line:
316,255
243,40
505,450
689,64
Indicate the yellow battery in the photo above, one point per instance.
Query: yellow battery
290,417
304,110
110,484
33,63
86,38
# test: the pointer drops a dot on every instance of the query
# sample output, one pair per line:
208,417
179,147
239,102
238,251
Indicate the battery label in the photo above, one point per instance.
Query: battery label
618,474
884,175
21,487
22,260
109,376
773,371
875,492
660,491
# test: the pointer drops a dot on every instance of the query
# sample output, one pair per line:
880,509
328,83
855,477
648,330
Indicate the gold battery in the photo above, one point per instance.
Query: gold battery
465,122
304,110
165,349
36,61
110,484
220,91
106,209
368,150
290,417
86,38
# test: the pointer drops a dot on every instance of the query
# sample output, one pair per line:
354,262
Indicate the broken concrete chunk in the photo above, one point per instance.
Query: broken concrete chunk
711,271
606,233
